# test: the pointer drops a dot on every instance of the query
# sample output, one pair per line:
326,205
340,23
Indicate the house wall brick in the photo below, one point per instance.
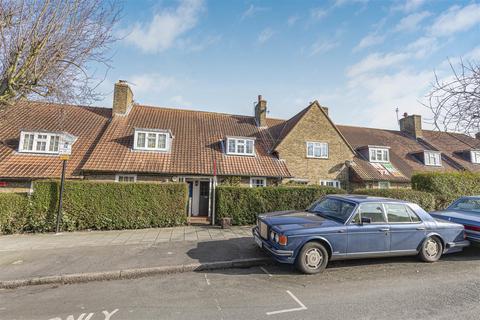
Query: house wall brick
315,126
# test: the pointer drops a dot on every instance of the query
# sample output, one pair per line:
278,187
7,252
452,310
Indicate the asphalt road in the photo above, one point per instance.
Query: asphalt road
398,288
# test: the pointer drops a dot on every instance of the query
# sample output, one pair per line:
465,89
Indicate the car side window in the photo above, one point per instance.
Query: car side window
397,213
413,215
373,211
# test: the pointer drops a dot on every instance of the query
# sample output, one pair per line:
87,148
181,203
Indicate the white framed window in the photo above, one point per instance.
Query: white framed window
240,146
39,142
475,156
258,182
125,178
331,183
383,184
317,150
432,158
379,154
153,140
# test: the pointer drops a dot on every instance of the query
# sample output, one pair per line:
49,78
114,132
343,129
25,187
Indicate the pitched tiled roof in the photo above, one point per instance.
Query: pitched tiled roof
86,123
402,153
198,140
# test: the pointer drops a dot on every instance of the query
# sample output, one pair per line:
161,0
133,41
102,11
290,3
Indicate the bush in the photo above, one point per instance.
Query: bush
447,186
423,199
243,204
95,205
14,209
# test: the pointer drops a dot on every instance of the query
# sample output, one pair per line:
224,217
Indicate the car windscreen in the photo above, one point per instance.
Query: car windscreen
466,204
335,209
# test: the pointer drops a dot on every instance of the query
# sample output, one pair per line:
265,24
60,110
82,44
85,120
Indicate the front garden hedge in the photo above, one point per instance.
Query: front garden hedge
243,204
14,210
447,186
423,199
98,206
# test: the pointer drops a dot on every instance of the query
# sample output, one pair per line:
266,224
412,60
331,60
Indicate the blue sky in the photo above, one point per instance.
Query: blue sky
360,58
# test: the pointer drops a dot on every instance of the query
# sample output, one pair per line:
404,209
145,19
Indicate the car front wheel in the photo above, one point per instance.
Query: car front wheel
312,258
431,249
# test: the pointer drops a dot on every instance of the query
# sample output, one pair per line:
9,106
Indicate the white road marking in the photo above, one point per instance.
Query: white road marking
108,315
206,279
218,305
17,262
302,306
266,271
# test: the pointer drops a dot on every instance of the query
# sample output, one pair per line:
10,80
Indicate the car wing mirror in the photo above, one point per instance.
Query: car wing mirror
366,220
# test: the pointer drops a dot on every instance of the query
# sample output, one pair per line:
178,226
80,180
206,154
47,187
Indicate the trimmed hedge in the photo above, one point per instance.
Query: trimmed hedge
13,212
447,186
423,199
99,206
243,204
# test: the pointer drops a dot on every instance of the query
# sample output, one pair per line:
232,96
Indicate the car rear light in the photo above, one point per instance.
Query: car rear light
472,228
282,240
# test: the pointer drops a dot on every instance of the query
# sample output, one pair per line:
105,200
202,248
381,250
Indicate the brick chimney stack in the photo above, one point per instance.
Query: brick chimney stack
412,125
122,98
261,112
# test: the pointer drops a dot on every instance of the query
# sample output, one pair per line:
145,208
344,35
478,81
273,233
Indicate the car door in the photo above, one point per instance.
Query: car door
368,238
407,230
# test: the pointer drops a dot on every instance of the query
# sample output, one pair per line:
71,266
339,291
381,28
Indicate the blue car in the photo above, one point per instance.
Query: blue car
352,226
466,211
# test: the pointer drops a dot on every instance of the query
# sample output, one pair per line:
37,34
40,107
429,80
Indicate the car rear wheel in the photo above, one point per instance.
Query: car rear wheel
312,258
431,250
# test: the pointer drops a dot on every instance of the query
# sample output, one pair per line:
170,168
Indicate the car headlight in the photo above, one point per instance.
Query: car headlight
272,235
276,237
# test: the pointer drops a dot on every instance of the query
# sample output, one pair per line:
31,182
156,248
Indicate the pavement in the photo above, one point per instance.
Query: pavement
396,288
106,255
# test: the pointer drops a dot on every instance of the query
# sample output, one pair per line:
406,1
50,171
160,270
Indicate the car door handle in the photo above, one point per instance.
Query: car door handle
421,228
384,229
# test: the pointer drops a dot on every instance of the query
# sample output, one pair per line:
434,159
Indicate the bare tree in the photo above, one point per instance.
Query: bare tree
49,48
455,101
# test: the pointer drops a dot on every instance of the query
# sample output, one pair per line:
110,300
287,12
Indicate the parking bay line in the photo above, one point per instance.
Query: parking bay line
302,306
266,271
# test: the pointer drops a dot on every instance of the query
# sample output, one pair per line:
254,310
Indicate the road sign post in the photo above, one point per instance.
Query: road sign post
65,150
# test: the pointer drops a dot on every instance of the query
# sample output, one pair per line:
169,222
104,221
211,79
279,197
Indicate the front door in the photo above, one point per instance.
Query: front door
203,198
368,238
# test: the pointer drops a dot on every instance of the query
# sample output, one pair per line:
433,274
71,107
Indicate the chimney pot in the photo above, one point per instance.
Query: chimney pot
405,114
260,98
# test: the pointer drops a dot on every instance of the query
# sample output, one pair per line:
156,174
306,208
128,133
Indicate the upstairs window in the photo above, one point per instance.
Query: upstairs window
330,183
475,156
154,140
240,146
432,158
379,155
258,182
317,150
39,142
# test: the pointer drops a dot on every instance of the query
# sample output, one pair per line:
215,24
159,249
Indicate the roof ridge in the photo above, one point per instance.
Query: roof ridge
59,104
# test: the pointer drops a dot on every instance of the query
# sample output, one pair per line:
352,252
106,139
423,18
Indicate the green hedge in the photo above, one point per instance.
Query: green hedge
243,204
447,186
13,212
423,199
98,206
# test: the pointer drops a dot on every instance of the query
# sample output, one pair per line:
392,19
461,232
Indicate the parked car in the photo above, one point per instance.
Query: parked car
353,226
466,211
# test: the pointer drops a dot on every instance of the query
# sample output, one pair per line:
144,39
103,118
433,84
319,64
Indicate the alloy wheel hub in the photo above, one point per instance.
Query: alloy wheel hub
431,248
314,258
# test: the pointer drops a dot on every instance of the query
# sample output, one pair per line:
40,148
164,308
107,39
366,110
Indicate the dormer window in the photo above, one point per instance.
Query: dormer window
39,142
152,140
379,154
432,158
240,146
475,156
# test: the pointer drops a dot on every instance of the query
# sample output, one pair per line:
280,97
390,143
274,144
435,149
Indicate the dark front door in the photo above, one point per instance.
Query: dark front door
204,192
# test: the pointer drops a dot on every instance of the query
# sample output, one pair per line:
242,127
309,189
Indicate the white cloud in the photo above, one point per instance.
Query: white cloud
422,47
265,35
339,3
376,61
410,5
369,41
292,20
166,27
456,19
318,13
151,83
412,21
252,10
323,46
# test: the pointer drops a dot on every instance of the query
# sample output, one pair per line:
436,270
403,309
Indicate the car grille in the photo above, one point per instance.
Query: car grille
263,229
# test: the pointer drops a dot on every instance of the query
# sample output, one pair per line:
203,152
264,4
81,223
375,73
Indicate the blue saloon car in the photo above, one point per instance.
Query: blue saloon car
352,226
466,211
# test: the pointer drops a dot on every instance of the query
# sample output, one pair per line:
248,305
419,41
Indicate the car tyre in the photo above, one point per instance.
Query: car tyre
312,258
431,249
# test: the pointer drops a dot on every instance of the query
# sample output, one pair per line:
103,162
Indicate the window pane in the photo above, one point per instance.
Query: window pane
141,140
240,146
41,142
397,213
310,149
374,211
324,147
373,155
317,152
28,142
249,148
151,140
231,146
53,145
162,141
413,215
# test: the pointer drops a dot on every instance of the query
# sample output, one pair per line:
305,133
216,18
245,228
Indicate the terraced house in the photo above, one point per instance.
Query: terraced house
132,143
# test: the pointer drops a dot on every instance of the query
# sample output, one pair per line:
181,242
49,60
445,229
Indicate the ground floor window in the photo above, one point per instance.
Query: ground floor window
126,178
258,182
383,184
331,183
